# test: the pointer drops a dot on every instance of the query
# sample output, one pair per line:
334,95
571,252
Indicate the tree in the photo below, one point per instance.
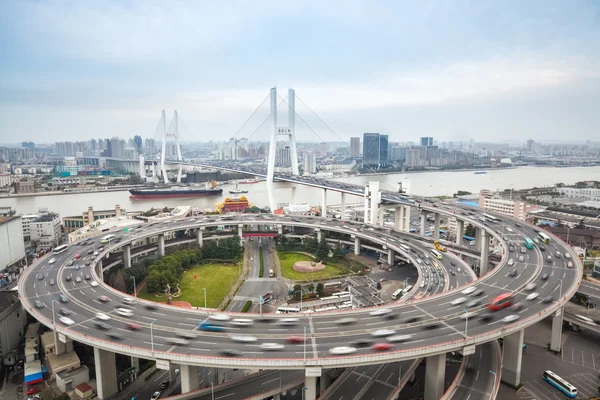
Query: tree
119,281
470,230
297,292
311,288
461,193
320,289
322,252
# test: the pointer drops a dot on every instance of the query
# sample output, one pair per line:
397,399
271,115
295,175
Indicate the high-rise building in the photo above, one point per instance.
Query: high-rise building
28,145
309,163
355,147
137,143
284,158
375,150
426,141
530,143
116,147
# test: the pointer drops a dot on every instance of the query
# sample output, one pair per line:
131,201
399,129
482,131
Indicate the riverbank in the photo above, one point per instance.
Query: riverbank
57,193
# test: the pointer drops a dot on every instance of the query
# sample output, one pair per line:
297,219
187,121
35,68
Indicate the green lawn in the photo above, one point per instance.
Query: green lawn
288,259
216,278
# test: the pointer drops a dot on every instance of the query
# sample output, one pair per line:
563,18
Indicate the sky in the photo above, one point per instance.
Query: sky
452,69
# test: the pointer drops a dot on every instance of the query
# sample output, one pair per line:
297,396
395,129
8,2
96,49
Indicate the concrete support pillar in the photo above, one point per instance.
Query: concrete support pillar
366,214
435,370
423,222
127,255
380,218
485,252
280,229
99,271
106,373
161,245
478,238
512,354
436,226
324,383
277,396
241,233
190,378
390,258
556,338
200,236
310,388
318,231
293,195
399,218
135,363
356,246
375,197
324,203
406,222
63,348
343,208
460,231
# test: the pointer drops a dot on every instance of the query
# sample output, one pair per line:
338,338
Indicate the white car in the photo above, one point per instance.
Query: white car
346,321
342,350
155,396
288,321
511,262
272,346
96,253
469,290
585,319
52,261
531,286
220,317
532,296
128,300
94,283
66,321
244,338
241,322
510,318
125,312
102,316
458,301
383,332
399,338
379,312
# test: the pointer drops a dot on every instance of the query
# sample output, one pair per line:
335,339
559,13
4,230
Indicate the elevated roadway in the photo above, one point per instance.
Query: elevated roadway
436,324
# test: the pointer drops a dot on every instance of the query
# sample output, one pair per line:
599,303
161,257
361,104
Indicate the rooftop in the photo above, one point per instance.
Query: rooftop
7,219
7,299
47,217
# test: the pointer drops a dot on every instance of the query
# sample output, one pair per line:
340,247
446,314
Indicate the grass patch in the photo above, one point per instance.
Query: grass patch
261,272
247,306
288,259
216,278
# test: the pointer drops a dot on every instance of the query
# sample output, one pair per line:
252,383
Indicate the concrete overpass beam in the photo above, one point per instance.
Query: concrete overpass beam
356,246
161,245
190,378
127,255
436,229
460,231
106,373
556,338
423,222
485,253
435,370
200,236
343,208
512,355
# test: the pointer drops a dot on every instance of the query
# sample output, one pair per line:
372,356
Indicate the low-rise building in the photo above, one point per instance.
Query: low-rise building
587,194
26,221
73,223
64,362
13,321
67,381
513,208
24,186
12,247
46,231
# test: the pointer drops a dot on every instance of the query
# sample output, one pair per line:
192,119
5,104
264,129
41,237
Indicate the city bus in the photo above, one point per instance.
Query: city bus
397,294
436,254
543,237
529,243
491,218
406,290
560,384
287,310
332,285
500,302
107,238
59,249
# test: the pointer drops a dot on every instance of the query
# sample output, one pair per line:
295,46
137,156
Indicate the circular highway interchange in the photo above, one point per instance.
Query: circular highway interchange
429,326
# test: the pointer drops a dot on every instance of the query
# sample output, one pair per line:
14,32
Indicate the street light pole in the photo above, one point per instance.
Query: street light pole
212,391
493,387
204,296
134,287
152,334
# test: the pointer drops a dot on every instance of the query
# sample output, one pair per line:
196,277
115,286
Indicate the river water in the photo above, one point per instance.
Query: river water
421,183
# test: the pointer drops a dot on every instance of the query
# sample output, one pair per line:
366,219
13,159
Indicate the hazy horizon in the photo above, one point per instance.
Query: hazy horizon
488,71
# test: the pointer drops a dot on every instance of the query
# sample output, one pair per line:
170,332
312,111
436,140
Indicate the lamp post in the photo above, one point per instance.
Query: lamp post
152,334
212,391
560,293
493,387
134,287
204,296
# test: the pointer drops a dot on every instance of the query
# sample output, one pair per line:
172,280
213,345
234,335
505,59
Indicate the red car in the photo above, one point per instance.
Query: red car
382,346
33,391
295,339
77,256
104,299
134,327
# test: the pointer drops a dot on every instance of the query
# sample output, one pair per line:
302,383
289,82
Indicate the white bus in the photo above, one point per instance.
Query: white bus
344,306
491,218
543,237
436,254
107,238
332,285
341,294
560,384
406,290
397,294
287,310
59,249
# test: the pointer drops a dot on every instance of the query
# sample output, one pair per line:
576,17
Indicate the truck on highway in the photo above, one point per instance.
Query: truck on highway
438,246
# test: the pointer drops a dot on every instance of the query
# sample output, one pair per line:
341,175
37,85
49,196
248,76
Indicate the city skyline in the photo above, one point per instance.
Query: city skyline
475,70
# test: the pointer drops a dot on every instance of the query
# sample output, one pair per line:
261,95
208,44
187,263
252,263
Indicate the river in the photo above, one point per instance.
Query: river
421,183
